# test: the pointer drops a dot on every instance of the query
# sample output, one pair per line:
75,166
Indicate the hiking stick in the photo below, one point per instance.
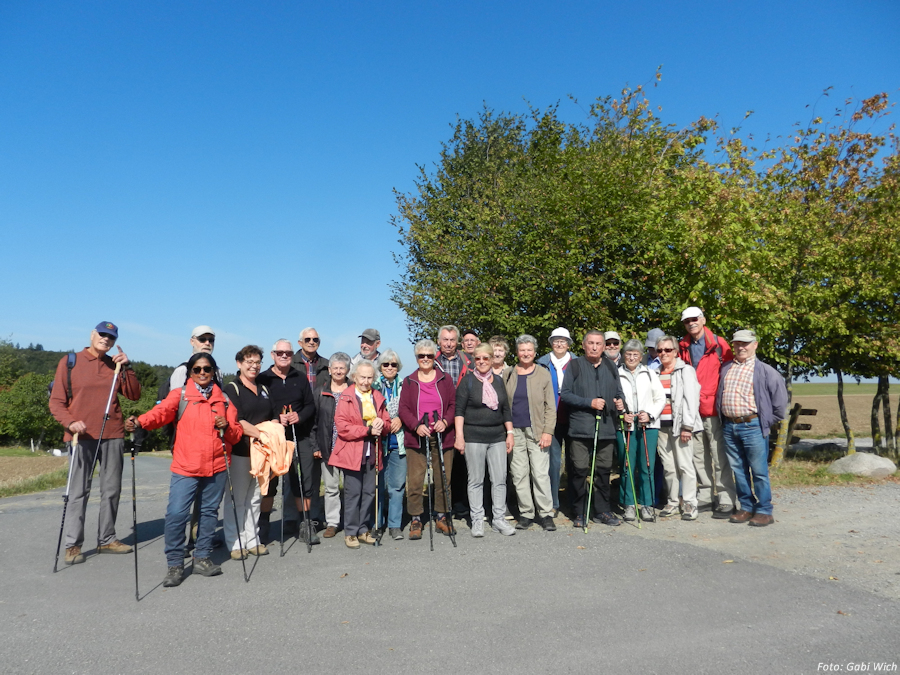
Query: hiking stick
73,448
440,448
90,474
137,439
306,522
587,508
429,477
652,504
234,504
627,438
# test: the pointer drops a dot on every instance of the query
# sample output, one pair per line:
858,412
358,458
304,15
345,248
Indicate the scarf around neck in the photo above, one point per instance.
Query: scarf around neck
488,393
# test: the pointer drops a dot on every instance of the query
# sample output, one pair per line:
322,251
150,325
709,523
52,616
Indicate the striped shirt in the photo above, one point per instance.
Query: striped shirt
665,417
737,390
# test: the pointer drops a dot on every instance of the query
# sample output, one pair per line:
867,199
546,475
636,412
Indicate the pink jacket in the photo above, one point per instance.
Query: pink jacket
352,431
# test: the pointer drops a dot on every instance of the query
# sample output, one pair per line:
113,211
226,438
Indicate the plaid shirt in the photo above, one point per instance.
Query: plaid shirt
737,390
310,370
453,367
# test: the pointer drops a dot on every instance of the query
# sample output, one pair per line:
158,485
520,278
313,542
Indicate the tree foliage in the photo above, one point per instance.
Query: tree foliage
24,413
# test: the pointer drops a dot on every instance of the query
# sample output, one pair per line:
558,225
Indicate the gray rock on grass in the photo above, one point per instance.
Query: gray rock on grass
863,464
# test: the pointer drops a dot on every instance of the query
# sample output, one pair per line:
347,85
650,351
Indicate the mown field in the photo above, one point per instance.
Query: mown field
827,423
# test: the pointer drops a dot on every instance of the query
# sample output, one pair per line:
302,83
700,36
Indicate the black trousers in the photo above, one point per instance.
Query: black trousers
578,459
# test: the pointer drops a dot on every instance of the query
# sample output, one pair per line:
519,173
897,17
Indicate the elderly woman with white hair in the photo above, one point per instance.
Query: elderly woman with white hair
391,488
533,404
678,421
361,420
644,401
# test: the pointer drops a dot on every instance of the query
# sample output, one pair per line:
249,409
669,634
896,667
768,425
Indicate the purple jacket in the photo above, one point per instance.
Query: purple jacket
768,391
411,416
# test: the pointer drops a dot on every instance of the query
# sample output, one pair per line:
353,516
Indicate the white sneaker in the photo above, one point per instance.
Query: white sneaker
503,528
690,512
629,514
648,514
478,527
669,510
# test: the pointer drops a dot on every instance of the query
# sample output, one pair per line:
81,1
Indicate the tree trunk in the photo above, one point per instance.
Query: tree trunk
890,442
851,445
782,439
876,425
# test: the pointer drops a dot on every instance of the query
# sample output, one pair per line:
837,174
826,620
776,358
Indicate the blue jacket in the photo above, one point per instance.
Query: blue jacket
769,393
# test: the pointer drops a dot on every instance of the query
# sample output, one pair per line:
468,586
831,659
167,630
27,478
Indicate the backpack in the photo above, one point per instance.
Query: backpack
70,363
182,406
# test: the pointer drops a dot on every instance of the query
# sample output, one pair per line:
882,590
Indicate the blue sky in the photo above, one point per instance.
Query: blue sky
164,165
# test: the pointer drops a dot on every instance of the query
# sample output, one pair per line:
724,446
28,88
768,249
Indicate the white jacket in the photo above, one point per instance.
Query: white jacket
685,392
643,392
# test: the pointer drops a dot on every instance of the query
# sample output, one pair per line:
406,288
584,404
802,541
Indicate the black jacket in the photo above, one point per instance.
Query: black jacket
322,436
582,384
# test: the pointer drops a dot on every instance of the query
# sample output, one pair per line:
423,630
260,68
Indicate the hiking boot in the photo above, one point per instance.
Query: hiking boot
415,529
690,512
395,533
240,554
524,523
629,514
115,546
308,533
259,550
723,512
366,538
174,576
669,510
578,523
441,525
478,527
648,515
607,518
74,555
740,516
329,532
352,541
548,524
206,567
761,520
503,528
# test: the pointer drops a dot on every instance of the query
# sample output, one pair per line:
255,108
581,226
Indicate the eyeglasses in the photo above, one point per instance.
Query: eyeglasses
427,357
482,358
253,364
313,340
610,343
283,354
666,350
390,365
204,339
201,369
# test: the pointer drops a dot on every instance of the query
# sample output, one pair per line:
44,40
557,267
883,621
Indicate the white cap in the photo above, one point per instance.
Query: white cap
203,330
611,335
691,313
560,333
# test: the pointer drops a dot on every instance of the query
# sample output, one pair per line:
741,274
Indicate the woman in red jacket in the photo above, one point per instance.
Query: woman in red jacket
360,417
206,428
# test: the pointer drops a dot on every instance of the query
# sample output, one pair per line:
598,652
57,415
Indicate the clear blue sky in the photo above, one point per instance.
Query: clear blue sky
164,165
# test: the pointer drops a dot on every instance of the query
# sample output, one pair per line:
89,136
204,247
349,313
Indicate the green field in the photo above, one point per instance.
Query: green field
830,389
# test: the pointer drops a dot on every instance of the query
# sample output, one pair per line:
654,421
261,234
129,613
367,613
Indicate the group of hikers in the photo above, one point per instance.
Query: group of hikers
465,428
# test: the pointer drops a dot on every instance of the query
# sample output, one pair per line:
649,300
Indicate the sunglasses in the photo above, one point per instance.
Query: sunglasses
610,343
201,369
205,339
313,340
667,350
107,336
482,358
282,354
424,356
390,365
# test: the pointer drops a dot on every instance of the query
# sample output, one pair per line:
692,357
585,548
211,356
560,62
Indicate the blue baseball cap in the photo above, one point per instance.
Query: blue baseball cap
109,328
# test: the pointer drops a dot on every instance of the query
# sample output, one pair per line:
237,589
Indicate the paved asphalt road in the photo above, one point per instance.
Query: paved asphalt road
533,603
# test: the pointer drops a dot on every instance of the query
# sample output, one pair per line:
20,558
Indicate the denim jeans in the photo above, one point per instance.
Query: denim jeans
182,490
391,486
556,463
748,452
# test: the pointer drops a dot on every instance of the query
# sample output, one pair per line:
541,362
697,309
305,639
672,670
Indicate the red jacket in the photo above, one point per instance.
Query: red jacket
352,431
708,368
198,447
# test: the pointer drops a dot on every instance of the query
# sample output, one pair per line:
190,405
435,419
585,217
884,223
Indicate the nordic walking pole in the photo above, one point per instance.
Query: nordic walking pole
306,522
137,439
73,448
237,524
587,508
429,478
377,496
440,448
628,470
90,475
649,472
283,488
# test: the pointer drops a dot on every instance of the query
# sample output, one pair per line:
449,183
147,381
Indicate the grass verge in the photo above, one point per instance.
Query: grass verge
44,481
808,473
